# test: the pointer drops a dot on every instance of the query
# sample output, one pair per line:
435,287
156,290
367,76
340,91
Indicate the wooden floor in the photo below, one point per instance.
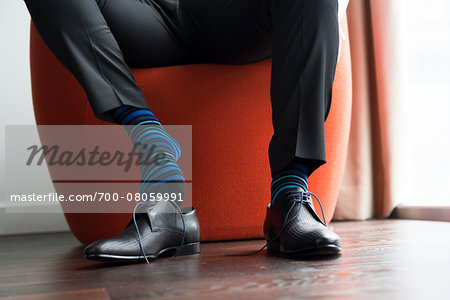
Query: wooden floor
391,259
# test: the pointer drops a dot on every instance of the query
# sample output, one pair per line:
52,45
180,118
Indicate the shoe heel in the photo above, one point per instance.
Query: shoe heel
275,246
188,249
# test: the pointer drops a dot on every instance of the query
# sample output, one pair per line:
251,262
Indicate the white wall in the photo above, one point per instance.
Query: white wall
17,109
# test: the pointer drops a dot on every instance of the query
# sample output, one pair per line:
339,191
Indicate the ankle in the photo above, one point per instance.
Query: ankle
291,178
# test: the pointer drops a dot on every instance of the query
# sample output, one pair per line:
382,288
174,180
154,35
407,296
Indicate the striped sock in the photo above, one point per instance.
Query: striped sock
294,176
151,141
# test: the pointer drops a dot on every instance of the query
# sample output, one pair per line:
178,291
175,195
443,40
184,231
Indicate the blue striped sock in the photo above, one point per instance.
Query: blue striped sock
152,141
294,176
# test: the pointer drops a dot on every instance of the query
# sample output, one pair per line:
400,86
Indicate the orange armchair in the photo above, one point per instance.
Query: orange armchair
230,168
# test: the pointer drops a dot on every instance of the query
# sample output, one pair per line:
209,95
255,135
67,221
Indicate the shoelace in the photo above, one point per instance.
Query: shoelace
293,197
139,234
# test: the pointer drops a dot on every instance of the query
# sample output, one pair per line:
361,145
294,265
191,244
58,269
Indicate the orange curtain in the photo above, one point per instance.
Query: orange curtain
370,173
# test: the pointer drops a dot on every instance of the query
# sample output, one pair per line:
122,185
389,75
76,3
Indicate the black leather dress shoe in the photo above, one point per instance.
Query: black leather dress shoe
296,229
163,229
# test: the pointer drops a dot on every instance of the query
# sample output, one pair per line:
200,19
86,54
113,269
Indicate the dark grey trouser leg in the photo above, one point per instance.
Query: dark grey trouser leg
302,36
99,40
304,54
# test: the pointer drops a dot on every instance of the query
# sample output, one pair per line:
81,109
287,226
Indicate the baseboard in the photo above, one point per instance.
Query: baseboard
432,213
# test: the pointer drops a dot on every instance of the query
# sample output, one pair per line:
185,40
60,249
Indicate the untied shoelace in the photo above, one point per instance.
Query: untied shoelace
139,234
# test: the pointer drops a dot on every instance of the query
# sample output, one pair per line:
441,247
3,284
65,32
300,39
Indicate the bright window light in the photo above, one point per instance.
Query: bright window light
426,48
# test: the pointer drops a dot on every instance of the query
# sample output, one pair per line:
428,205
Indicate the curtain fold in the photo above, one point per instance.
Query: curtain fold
371,169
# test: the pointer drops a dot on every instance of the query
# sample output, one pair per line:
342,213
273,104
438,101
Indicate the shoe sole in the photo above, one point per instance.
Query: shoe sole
187,249
322,250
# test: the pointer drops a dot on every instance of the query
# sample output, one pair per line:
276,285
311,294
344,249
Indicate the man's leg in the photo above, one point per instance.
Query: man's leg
304,56
98,41
303,38
304,53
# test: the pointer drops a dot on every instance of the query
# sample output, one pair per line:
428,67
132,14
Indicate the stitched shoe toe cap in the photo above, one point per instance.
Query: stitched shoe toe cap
329,238
96,247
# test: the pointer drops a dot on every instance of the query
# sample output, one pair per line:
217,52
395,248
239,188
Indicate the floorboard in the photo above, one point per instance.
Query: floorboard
394,259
